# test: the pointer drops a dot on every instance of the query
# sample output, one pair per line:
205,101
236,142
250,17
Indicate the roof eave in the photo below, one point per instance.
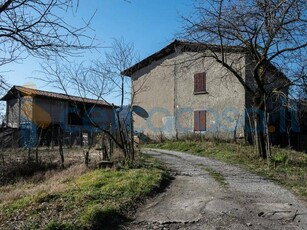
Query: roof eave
19,89
154,57
187,46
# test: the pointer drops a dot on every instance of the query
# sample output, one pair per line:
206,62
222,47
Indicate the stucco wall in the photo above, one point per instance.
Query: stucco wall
224,100
153,91
166,88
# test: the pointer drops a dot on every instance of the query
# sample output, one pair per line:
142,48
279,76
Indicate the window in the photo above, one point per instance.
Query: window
200,83
200,120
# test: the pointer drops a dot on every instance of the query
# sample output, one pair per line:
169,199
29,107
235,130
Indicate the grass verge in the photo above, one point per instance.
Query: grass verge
216,176
98,199
287,167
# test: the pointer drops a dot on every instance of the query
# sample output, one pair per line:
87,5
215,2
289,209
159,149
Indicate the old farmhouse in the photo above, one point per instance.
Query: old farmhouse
41,117
180,90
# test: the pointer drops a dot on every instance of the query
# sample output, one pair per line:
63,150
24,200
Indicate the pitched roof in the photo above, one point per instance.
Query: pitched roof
24,91
185,46
188,46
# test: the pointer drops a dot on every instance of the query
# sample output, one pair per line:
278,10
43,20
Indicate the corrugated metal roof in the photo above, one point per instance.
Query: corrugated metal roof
24,91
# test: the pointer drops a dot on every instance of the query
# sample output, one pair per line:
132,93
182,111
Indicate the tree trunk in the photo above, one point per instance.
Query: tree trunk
260,140
86,157
61,152
266,126
260,124
132,136
120,132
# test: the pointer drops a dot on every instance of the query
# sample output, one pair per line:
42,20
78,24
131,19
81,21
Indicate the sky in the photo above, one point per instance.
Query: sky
148,24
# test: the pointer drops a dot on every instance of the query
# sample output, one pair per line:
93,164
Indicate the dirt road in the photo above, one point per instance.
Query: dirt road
232,199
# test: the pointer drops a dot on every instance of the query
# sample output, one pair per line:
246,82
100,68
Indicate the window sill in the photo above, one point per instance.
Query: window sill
200,92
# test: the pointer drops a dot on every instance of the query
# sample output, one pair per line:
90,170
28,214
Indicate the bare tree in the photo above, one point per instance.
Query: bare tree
267,31
120,58
39,28
97,81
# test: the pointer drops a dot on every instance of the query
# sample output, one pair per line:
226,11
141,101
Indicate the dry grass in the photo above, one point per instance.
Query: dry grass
78,197
45,179
15,164
50,181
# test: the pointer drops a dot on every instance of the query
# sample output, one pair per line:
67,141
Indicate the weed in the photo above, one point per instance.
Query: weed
280,157
217,176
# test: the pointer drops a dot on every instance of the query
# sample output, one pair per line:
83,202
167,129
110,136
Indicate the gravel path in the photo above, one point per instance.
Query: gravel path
195,200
